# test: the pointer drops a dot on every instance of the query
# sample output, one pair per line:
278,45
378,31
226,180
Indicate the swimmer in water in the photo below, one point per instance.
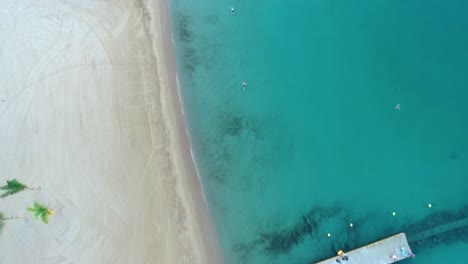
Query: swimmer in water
232,10
397,107
244,85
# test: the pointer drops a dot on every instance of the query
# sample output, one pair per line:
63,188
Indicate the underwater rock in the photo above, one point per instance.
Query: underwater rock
231,125
191,61
183,28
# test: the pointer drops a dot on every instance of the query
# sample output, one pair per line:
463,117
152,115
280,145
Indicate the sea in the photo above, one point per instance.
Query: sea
352,124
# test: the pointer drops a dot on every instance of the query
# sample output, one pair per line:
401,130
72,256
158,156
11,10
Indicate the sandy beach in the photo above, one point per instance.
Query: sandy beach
89,112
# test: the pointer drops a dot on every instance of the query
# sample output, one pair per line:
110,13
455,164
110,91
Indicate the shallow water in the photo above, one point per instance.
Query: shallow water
315,143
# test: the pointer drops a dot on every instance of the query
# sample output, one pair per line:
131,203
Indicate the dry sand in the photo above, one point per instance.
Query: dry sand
89,112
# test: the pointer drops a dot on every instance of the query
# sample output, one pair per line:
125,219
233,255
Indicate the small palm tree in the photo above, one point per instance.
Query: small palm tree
13,187
41,211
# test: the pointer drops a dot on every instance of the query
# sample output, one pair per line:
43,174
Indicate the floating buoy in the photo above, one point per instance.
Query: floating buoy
429,205
351,225
393,213
329,235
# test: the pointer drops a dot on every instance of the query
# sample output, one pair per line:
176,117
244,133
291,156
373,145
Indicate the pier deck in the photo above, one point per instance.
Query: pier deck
379,252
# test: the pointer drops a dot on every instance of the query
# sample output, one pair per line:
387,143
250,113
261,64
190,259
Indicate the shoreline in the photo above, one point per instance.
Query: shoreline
213,251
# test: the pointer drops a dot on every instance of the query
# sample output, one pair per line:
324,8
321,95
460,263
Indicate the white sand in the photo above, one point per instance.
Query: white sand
88,111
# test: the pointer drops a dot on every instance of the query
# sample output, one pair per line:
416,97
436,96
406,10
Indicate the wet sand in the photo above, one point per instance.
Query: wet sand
89,112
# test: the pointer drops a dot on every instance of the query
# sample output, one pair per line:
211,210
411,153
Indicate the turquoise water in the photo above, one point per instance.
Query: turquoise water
315,143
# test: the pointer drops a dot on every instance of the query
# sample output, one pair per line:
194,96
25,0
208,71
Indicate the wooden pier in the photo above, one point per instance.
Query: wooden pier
388,250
